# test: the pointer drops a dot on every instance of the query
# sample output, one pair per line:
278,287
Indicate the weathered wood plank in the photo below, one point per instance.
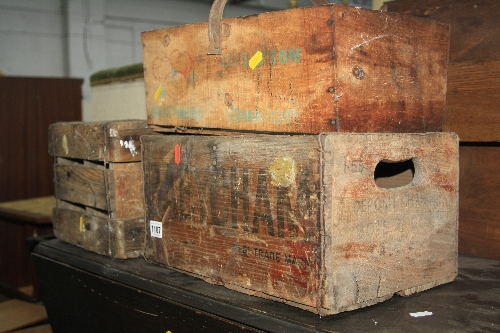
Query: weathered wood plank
72,225
16,314
301,218
82,185
76,140
390,72
125,190
115,141
122,238
474,25
317,69
117,190
473,102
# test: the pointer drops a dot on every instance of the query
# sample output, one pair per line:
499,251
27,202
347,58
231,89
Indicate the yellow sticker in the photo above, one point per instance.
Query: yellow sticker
81,223
65,144
255,60
158,93
283,171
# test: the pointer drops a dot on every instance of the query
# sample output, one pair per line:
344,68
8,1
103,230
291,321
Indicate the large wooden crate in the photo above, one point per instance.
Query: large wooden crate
319,222
99,186
328,68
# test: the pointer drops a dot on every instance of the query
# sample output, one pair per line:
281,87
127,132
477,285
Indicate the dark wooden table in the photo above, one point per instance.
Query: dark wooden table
86,292
20,220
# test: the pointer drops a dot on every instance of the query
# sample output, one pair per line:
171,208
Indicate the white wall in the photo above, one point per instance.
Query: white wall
119,100
31,38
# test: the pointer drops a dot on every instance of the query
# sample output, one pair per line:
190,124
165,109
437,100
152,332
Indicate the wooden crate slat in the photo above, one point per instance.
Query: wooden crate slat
82,185
125,188
115,238
114,141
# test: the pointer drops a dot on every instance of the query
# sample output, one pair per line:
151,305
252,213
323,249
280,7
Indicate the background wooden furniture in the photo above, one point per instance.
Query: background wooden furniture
16,314
28,105
479,216
19,220
87,292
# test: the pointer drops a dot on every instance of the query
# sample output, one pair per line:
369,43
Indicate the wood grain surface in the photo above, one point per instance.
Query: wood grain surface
307,70
99,185
472,101
15,314
113,141
301,219
116,238
479,232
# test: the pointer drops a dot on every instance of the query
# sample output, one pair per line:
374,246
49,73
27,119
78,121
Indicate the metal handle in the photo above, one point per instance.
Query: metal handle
215,25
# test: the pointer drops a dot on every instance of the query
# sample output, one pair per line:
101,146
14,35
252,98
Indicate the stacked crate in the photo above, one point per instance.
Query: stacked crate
98,185
302,216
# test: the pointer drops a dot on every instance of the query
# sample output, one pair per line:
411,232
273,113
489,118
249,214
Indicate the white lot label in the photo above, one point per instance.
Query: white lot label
155,228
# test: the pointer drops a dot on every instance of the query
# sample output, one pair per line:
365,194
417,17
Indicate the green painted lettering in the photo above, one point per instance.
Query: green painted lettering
288,117
244,58
277,117
262,61
258,116
283,57
235,116
246,116
295,55
192,77
155,112
272,54
167,112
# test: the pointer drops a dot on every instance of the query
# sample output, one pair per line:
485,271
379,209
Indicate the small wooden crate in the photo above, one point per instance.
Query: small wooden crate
301,219
329,68
99,185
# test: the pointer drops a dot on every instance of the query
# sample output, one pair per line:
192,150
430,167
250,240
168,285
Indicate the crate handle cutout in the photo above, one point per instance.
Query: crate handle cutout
397,174
215,25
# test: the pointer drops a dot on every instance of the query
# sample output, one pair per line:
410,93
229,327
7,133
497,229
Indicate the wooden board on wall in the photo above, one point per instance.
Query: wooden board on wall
479,229
473,100
27,107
